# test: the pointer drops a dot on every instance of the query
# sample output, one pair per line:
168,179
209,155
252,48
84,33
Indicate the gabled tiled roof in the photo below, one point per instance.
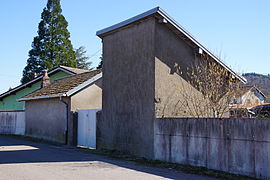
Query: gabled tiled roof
66,69
63,86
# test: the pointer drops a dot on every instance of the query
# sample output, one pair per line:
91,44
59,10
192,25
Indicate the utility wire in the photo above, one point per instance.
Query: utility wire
94,54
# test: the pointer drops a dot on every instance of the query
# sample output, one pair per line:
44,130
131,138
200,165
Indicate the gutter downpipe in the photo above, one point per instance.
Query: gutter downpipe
67,112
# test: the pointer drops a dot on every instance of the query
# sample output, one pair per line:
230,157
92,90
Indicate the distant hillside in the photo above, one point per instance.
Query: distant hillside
261,81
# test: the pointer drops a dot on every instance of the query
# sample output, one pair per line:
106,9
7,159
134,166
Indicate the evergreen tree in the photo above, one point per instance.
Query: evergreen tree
81,58
52,46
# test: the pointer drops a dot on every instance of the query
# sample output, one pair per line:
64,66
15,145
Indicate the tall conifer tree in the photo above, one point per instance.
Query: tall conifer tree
81,58
51,47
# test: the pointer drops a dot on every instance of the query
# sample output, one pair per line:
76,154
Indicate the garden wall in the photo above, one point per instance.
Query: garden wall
240,146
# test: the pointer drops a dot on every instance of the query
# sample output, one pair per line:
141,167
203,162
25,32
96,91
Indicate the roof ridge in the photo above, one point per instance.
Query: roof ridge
65,85
68,67
67,77
20,86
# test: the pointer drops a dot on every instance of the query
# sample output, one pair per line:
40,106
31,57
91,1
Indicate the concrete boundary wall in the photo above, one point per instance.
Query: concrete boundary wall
240,146
12,122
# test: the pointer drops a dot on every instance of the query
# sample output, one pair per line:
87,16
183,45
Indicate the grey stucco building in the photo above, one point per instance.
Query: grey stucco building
139,78
49,110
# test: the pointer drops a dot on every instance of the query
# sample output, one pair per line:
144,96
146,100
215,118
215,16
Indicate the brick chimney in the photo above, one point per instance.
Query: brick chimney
45,80
35,74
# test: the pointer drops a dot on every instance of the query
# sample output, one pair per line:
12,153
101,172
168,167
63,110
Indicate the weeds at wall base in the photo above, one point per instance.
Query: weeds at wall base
142,161
162,164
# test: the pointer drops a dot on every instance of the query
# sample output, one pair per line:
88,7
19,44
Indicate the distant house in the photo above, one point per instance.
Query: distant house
8,100
140,78
249,97
48,111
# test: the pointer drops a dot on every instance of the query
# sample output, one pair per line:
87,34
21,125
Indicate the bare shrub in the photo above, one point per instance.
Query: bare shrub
212,89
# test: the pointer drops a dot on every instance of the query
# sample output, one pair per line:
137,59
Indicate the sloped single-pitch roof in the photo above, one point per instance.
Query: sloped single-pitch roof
66,69
66,86
171,23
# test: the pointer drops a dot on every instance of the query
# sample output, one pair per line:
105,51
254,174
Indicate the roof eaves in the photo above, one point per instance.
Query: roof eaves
177,26
20,87
259,91
33,81
84,84
128,21
193,39
41,97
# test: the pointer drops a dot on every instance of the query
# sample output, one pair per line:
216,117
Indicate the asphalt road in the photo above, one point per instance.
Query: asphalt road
25,160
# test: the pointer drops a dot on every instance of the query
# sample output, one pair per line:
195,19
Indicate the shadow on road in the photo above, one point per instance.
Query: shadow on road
13,150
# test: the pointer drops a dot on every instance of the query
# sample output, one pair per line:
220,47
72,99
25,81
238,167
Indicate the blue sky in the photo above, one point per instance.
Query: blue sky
239,30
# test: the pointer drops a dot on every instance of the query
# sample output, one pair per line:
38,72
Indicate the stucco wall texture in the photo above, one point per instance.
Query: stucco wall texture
140,91
128,90
140,83
88,98
46,119
240,146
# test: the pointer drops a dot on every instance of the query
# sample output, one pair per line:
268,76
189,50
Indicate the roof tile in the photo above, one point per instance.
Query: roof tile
64,85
